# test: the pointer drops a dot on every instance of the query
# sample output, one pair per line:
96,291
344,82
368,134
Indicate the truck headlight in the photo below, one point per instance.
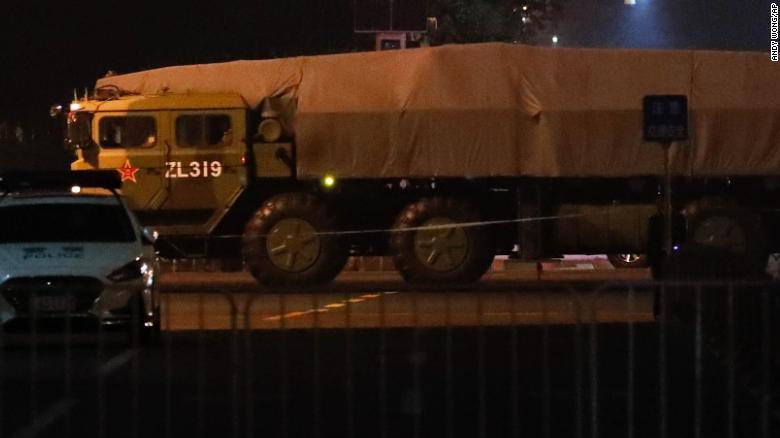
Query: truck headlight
270,130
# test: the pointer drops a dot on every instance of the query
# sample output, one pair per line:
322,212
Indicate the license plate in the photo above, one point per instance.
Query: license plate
52,303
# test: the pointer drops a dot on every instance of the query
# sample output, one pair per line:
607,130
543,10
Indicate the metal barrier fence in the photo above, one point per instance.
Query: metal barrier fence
538,360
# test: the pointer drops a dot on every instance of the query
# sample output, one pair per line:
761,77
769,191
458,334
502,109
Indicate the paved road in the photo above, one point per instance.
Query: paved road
461,382
375,309
414,375
364,300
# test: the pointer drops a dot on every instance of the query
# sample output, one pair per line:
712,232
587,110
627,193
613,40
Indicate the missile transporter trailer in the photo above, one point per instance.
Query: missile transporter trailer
443,158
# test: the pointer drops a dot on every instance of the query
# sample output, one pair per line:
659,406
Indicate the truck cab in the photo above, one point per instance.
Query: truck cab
181,157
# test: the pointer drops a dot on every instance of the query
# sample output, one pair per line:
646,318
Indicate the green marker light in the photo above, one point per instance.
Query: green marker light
328,181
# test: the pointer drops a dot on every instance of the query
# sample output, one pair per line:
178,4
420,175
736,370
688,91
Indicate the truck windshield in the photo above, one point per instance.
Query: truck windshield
79,130
65,223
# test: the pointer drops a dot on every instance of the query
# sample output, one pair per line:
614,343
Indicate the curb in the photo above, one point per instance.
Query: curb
578,266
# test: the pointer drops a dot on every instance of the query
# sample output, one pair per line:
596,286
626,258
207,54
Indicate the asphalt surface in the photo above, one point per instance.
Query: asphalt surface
659,376
194,311
354,281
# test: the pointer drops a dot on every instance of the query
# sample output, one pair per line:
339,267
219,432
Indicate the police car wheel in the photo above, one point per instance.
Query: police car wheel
150,336
139,334
284,245
441,252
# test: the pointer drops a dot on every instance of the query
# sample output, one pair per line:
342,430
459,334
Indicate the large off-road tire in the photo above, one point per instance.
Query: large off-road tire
288,242
441,255
723,241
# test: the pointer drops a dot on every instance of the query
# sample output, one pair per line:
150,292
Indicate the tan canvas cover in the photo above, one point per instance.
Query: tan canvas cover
504,110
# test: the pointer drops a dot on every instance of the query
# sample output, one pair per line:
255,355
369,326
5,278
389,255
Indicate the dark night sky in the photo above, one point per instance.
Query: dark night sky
48,48
673,24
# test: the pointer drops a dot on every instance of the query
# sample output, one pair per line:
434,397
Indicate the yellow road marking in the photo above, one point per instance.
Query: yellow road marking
334,305
327,307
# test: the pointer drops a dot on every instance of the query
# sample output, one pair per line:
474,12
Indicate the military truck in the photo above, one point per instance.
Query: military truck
442,157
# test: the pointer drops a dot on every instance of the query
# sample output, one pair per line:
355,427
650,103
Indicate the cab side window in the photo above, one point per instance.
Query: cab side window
204,130
127,132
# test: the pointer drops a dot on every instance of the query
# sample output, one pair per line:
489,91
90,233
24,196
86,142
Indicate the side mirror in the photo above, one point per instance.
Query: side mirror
149,236
55,111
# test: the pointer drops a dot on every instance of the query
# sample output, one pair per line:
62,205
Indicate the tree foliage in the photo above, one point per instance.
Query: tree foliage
468,21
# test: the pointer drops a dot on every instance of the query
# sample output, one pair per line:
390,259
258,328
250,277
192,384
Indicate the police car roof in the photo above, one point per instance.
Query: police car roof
59,181
61,194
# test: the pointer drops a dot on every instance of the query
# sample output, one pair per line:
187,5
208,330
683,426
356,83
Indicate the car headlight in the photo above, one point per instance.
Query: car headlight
135,269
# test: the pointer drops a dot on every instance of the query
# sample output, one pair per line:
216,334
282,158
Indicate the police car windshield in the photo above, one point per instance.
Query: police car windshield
65,223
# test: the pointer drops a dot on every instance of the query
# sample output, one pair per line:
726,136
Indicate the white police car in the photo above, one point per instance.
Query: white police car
71,250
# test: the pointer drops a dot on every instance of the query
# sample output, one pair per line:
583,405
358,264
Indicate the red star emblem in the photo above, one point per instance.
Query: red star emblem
128,171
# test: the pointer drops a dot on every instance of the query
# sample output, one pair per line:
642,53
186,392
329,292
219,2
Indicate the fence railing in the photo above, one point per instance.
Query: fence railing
620,359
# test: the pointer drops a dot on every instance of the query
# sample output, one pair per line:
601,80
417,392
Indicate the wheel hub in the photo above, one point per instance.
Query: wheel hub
293,245
441,249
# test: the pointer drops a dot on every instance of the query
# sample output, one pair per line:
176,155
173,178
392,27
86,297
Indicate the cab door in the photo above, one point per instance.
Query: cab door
132,143
204,165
